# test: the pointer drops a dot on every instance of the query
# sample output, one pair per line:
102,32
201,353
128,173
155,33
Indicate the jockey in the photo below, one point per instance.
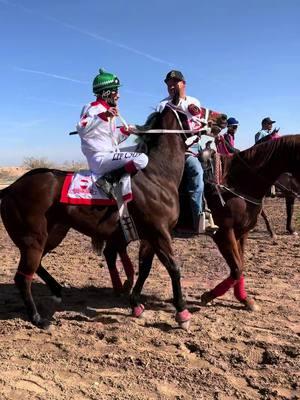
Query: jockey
266,131
193,170
225,143
100,136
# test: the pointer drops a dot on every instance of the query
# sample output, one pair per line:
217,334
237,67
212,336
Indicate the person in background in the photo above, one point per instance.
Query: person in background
225,143
266,132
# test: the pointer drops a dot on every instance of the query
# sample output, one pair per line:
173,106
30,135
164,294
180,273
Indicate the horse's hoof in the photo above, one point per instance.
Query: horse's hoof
138,310
183,318
185,325
206,298
295,233
41,323
251,305
127,286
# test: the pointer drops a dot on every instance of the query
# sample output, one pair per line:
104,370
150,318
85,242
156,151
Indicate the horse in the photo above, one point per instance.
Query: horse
286,186
248,177
37,221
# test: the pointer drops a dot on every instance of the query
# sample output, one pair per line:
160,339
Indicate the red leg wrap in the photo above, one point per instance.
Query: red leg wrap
27,276
239,289
223,287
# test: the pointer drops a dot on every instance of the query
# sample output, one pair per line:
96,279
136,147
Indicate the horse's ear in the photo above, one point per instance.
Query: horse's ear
275,130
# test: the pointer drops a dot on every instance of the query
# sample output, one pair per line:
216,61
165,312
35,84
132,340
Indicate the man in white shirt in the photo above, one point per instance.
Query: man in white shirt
100,136
266,130
193,170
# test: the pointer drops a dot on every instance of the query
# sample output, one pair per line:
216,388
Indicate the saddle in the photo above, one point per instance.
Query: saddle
80,188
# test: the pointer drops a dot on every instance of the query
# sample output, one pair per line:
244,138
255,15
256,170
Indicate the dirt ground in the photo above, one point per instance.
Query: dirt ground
95,350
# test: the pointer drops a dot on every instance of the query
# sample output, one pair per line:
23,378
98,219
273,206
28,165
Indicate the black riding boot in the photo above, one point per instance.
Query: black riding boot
105,182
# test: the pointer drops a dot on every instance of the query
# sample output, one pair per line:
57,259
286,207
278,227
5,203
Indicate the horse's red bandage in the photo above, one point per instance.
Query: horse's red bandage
27,276
223,287
239,289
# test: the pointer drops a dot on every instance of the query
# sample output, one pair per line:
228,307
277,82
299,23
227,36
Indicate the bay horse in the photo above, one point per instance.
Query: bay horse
249,175
288,188
37,221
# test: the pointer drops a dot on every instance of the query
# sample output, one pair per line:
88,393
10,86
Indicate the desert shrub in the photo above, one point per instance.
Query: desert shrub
74,165
33,162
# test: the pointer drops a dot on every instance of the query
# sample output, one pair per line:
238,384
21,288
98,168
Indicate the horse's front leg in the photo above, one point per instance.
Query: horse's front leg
233,252
146,254
164,251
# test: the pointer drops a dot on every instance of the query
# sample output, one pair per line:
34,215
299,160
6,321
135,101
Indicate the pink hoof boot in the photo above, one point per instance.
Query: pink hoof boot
184,319
138,310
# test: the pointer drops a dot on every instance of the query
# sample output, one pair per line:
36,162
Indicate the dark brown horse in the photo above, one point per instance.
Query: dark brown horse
286,186
249,176
37,222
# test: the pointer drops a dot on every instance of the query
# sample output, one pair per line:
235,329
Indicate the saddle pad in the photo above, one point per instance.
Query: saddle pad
79,188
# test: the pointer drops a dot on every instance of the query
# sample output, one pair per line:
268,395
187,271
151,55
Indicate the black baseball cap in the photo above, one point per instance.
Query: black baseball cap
267,120
174,75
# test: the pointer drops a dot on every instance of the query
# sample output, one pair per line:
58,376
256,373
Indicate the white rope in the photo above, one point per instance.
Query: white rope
189,131
123,121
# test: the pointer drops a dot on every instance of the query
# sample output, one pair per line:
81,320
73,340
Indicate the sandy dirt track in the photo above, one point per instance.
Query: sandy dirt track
95,350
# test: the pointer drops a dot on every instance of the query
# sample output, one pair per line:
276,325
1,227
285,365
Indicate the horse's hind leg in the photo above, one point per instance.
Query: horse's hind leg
289,203
29,262
110,254
55,236
233,252
129,270
268,224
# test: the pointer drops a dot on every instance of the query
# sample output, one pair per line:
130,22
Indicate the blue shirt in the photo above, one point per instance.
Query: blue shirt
261,134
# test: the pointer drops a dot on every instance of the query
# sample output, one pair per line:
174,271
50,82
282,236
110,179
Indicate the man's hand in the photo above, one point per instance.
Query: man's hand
112,112
128,130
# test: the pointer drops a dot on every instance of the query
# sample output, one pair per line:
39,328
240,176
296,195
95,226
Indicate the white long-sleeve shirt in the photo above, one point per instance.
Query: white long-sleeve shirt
98,134
190,106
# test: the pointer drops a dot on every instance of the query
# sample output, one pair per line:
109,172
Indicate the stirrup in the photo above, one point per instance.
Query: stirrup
105,186
207,224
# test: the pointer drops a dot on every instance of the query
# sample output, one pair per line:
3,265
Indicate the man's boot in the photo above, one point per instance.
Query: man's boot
105,182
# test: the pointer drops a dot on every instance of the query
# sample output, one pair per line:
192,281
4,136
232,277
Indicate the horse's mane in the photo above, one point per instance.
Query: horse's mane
147,141
153,121
257,156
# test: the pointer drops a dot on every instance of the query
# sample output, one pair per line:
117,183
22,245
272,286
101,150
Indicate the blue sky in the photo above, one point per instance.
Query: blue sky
241,58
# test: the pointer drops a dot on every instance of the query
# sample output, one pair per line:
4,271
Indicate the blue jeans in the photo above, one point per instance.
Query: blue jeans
194,183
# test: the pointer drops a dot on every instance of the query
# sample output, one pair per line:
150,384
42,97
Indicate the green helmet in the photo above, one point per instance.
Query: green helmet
105,81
